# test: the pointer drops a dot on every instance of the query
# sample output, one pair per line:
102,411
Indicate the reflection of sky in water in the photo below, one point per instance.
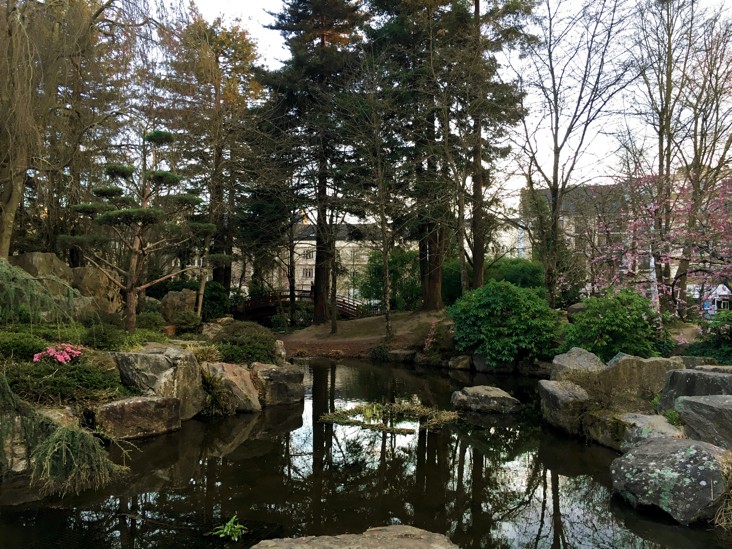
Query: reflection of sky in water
506,484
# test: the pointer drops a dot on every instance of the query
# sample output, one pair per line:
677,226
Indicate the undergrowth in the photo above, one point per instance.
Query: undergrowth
219,399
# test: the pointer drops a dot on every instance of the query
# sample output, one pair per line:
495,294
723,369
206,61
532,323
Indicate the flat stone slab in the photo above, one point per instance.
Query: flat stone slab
714,368
707,418
384,537
693,383
621,431
485,399
138,417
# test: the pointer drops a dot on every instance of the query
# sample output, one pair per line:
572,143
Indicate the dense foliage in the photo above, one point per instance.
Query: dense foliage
505,323
619,322
404,274
245,342
716,339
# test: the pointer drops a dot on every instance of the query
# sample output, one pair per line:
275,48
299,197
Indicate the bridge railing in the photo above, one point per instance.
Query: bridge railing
348,307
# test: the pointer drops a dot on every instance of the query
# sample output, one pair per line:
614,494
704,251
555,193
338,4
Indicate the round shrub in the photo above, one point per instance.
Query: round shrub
186,321
150,321
215,301
20,346
245,342
105,337
620,322
504,323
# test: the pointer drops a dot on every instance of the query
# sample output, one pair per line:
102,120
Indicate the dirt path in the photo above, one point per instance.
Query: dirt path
355,338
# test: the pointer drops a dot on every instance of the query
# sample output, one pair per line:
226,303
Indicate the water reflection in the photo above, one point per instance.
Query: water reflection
504,482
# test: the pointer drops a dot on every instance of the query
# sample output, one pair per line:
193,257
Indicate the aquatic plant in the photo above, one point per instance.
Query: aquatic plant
382,417
231,529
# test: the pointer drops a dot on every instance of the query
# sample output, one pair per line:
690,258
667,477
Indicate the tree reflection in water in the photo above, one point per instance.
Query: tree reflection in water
504,483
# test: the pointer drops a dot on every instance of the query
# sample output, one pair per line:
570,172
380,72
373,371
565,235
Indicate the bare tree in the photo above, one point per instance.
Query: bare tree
575,70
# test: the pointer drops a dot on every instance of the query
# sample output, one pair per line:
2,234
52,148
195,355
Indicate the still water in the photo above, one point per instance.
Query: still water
506,483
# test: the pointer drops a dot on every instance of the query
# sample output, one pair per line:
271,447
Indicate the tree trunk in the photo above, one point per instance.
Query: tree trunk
12,177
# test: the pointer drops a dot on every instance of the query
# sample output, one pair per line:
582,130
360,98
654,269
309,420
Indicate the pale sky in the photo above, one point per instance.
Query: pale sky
254,17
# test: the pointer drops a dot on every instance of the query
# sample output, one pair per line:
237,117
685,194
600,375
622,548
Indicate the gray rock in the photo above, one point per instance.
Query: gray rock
138,417
693,383
47,268
696,361
403,356
563,404
238,381
164,371
621,431
685,478
573,362
215,327
483,366
460,362
430,359
177,302
633,378
91,282
485,399
574,310
714,368
537,369
396,537
707,418
278,384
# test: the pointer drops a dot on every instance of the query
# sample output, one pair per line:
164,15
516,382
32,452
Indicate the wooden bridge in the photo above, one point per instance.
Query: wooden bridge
267,304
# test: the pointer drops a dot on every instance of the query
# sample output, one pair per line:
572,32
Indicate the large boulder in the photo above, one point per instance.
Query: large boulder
563,404
50,271
696,361
91,282
633,381
573,362
401,536
485,399
174,303
621,431
164,371
278,384
280,353
707,418
685,478
460,362
714,368
693,383
215,327
138,417
238,381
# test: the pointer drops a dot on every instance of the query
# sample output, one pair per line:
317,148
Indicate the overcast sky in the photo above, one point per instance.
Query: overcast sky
254,17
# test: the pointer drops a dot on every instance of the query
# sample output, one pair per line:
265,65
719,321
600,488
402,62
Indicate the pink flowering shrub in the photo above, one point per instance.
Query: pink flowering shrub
63,353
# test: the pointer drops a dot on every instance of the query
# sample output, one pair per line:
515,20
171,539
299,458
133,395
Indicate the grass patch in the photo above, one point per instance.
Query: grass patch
723,517
383,417
219,400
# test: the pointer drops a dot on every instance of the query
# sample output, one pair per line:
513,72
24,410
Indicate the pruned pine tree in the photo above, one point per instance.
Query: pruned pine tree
144,214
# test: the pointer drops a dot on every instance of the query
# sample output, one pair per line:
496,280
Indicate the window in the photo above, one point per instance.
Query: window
309,254
307,272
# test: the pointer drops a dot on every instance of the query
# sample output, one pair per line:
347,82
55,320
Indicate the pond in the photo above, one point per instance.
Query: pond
509,482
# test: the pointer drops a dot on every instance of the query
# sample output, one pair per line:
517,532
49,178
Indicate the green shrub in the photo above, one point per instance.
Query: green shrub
620,322
71,460
91,319
518,271
67,333
245,342
141,336
716,340
50,383
186,321
505,323
105,337
151,321
380,353
20,346
220,400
